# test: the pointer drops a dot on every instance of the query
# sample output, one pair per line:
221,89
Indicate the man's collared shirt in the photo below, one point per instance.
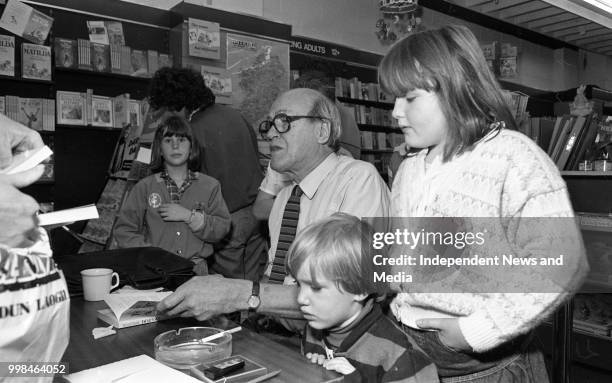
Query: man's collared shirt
338,184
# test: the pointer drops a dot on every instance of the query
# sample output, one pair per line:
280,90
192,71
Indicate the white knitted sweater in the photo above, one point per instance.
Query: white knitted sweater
505,175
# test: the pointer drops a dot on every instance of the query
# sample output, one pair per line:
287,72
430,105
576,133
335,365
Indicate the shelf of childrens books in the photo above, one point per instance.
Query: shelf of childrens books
378,128
374,104
579,173
376,151
119,76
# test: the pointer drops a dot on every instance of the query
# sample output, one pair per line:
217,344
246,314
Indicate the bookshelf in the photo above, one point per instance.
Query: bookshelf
82,153
582,328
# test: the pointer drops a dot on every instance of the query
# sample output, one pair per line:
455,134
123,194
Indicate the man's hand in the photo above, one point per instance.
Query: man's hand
14,139
450,332
315,358
174,212
18,210
207,296
340,365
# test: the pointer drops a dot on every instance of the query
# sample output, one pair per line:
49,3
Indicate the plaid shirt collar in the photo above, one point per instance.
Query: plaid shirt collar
175,192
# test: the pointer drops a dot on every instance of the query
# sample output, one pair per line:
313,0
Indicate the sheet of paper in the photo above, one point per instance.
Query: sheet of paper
118,303
144,155
141,368
68,215
28,160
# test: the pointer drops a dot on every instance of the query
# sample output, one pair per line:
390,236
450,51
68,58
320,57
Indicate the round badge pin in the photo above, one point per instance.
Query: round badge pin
154,200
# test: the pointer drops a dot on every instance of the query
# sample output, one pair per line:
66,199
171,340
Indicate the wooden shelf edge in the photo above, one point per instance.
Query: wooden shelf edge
102,74
578,173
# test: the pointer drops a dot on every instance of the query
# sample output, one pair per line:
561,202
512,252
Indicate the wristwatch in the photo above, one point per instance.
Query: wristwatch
254,300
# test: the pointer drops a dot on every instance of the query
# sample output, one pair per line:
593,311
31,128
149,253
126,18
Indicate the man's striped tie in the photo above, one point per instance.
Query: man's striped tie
286,236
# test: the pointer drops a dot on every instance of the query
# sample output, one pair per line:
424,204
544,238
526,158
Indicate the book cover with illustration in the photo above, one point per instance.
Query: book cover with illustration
114,29
507,67
25,21
7,55
38,27
31,112
135,116
219,80
65,52
70,108
102,111
100,57
204,39
97,32
35,62
140,66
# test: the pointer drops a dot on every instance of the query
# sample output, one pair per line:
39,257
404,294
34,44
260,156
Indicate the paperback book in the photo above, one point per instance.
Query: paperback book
25,21
132,308
70,108
36,62
140,67
84,54
7,55
97,32
31,112
135,116
102,111
100,57
65,52
114,29
219,80
204,39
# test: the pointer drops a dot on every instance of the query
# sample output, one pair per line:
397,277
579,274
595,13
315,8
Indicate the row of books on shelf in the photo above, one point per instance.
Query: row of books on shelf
517,101
572,139
35,113
78,54
569,140
85,108
380,140
35,59
114,58
356,89
371,115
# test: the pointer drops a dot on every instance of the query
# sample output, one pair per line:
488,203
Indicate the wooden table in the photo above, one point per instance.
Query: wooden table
85,352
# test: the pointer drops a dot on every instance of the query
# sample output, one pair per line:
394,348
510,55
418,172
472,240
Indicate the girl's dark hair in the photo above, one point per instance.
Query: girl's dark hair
174,126
178,88
449,62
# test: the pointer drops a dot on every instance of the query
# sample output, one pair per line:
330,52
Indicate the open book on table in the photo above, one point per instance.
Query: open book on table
132,307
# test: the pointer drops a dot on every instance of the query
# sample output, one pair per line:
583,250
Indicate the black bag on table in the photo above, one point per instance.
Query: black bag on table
139,267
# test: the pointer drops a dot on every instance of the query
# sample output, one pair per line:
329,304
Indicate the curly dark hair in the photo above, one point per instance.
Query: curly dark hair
178,88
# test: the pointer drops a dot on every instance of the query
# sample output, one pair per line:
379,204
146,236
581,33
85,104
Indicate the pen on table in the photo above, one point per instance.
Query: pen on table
265,377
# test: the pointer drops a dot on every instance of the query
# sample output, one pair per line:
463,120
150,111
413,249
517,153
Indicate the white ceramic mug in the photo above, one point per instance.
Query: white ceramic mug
97,283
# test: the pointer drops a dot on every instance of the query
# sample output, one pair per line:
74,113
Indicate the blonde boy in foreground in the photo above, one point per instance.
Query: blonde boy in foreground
347,331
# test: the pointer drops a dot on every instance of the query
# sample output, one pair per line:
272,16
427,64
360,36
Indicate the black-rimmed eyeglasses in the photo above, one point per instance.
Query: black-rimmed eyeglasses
282,123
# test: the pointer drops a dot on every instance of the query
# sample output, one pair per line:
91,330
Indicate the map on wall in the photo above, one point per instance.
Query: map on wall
259,71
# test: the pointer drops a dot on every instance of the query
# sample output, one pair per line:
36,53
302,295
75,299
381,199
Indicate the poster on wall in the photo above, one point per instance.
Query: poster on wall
219,81
204,39
259,70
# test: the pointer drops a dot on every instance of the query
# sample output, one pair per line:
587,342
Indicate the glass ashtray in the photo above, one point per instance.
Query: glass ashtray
183,348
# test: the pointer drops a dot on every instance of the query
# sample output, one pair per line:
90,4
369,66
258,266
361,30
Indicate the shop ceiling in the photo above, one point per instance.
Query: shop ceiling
574,22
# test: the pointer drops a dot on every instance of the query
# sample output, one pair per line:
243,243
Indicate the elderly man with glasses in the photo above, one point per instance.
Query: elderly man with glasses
303,127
